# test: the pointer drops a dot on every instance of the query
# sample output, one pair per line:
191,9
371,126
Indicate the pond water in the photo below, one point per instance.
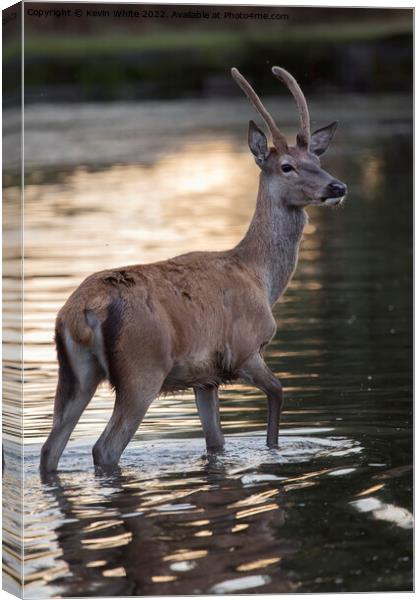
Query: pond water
331,510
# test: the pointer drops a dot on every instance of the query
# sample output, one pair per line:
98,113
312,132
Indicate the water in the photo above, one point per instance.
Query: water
331,510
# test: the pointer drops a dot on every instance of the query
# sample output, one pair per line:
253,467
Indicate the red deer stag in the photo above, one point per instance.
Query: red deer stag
198,320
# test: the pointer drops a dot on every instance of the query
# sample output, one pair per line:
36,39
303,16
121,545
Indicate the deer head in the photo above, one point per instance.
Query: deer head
294,172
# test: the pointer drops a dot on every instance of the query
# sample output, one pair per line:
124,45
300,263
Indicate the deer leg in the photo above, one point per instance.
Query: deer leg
131,404
207,401
256,372
73,394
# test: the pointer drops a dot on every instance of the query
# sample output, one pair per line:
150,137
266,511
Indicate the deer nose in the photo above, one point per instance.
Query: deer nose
337,189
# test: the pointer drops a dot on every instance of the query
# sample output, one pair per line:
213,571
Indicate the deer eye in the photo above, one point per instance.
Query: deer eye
287,168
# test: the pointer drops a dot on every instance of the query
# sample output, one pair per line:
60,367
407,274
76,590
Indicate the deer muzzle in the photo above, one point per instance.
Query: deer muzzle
334,193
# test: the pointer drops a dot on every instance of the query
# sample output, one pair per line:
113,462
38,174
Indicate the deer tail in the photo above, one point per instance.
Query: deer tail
77,325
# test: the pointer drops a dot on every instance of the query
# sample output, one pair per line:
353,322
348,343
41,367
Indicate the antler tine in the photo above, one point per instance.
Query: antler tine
292,84
279,140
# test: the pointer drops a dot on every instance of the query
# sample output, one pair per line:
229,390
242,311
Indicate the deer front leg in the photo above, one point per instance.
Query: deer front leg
256,372
207,401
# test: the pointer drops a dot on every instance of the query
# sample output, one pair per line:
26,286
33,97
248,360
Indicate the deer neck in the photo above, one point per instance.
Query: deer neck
271,245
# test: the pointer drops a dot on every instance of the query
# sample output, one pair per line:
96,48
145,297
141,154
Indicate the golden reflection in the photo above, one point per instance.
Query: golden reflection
305,285
309,229
239,527
198,523
178,482
310,475
254,499
258,564
46,576
153,543
203,533
186,555
372,489
114,541
98,525
163,578
298,486
96,563
170,497
166,511
236,423
255,511
201,167
117,572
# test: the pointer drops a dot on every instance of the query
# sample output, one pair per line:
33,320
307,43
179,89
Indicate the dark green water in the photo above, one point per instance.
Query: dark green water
332,509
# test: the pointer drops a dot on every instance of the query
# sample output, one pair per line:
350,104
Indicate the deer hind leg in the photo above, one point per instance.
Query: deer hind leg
132,401
78,378
207,401
256,372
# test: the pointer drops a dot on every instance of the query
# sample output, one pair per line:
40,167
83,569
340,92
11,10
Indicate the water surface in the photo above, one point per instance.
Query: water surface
331,510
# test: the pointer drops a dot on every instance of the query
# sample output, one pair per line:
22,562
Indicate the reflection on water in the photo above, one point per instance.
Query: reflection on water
173,520
330,511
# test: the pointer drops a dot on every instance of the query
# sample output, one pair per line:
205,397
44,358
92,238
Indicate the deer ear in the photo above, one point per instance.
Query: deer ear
257,143
321,138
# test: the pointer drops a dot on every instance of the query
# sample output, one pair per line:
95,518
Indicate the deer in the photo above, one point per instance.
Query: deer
199,320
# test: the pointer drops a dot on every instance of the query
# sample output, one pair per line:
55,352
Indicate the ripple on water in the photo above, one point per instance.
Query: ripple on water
188,508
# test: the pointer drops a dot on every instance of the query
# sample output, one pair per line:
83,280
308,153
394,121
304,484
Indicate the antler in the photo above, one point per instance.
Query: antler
279,140
304,136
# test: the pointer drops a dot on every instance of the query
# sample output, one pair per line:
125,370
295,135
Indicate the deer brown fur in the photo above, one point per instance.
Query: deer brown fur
198,320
